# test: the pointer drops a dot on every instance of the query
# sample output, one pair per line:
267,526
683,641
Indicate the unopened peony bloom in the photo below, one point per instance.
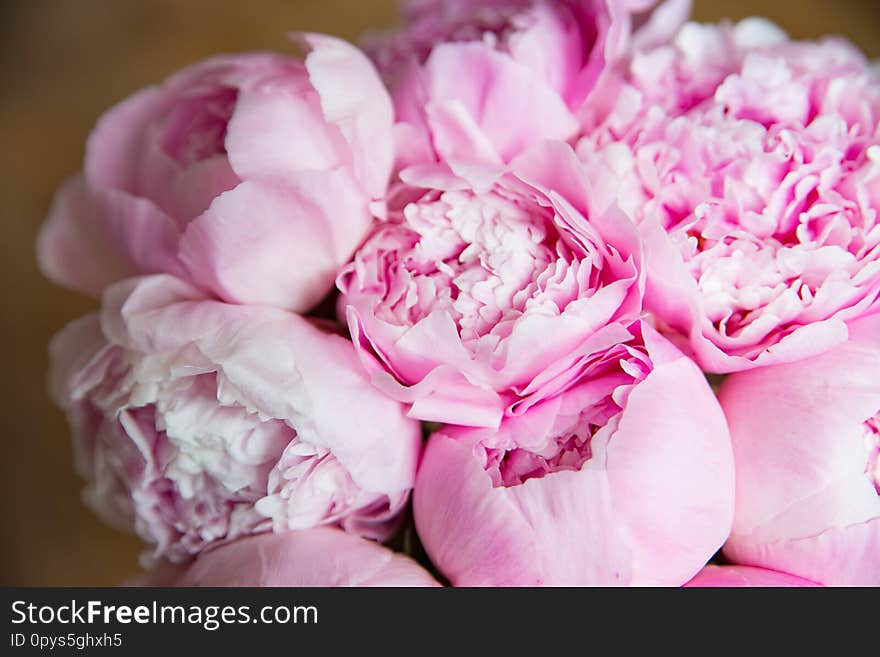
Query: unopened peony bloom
624,479
313,557
196,422
483,81
806,440
744,577
752,164
484,298
251,176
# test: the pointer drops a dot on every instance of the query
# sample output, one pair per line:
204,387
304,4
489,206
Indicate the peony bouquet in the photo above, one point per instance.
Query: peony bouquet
442,309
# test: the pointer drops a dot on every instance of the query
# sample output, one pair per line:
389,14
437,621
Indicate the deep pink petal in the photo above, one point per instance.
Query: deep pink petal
745,576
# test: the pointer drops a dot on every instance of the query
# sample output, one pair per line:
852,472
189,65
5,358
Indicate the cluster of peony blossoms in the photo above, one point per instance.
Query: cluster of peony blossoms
481,270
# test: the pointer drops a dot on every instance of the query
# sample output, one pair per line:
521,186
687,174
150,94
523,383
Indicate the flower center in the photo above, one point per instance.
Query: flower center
484,259
763,169
802,238
568,451
195,129
572,441
197,467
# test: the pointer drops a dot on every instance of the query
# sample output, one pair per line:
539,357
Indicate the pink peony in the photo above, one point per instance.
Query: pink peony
198,422
752,164
251,176
806,440
624,479
744,577
314,557
482,299
483,81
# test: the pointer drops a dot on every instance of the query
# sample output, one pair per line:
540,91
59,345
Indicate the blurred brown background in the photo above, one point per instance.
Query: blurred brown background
62,63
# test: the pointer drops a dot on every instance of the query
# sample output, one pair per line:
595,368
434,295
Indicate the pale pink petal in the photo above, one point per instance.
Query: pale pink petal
279,129
807,500
92,238
670,469
473,533
277,242
500,96
839,556
316,557
797,434
118,144
354,99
